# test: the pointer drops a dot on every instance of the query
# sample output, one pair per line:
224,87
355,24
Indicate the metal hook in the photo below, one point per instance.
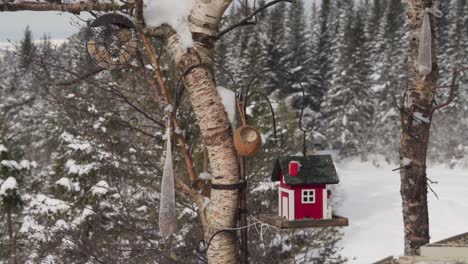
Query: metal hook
245,96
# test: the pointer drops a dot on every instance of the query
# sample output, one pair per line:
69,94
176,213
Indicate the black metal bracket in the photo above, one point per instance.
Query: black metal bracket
234,186
243,211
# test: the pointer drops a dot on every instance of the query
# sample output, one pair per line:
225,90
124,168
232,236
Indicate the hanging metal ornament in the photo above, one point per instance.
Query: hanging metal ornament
112,41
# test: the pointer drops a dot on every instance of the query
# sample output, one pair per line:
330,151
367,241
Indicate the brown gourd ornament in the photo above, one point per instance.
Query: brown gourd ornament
247,139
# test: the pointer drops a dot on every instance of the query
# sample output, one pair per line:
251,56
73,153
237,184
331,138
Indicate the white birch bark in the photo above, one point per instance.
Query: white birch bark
214,125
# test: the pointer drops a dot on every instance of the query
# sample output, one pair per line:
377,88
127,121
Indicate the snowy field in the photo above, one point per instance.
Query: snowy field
4,47
370,197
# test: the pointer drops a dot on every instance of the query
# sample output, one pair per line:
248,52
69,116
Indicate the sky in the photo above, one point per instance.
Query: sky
57,25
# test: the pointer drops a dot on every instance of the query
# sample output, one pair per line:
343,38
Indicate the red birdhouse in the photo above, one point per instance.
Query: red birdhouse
303,190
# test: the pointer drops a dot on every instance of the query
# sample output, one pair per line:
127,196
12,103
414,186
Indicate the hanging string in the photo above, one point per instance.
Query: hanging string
304,144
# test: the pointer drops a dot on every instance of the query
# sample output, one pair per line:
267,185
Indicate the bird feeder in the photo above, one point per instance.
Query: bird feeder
112,41
247,141
303,197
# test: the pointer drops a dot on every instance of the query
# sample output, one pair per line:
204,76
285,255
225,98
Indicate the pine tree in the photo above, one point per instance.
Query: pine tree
348,105
274,45
321,67
452,50
442,38
12,174
27,49
297,35
389,75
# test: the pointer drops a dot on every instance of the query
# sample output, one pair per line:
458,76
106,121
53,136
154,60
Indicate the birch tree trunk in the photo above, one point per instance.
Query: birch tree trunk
416,116
214,125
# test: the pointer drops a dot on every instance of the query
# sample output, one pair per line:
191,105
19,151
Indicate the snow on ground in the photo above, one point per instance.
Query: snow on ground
370,197
4,48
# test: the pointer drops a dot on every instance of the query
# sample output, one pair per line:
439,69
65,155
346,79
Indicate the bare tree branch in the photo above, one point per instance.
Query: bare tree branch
453,89
63,7
79,79
245,21
432,190
164,31
165,93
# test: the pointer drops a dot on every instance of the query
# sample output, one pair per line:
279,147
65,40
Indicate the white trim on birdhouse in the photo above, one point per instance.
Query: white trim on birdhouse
280,208
325,203
308,196
291,211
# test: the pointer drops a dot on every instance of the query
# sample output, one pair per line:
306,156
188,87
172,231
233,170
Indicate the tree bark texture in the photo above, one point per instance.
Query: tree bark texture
214,125
416,116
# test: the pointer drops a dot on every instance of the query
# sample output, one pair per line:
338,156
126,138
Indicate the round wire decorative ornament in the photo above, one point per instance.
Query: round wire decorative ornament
112,41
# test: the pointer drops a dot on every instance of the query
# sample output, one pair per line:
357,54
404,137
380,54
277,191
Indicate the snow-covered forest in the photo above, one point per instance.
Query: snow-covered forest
352,60
82,149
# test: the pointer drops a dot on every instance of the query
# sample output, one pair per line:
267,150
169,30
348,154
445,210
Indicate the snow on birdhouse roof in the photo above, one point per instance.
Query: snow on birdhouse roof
316,169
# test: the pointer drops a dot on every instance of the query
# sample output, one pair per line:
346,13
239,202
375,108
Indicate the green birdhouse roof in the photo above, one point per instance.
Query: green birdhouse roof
316,169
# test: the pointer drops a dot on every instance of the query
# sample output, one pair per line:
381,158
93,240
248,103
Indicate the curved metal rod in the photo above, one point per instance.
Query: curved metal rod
277,139
203,246
229,75
252,81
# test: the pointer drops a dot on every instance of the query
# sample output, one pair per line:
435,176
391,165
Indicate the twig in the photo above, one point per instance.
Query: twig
453,89
404,166
75,8
167,98
80,78
193,195
245,21
432,190
431,181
